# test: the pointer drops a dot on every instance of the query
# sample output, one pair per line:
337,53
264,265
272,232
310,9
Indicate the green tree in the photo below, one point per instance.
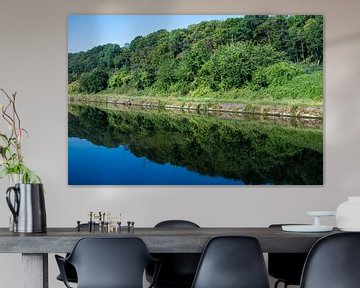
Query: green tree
166,75
122,59
305,40
119,79
177,42
192,61
274,32
142,79
250,24
100,57
93,82
231,66
313,34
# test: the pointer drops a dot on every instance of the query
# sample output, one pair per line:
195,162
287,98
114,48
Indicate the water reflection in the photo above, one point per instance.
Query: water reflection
114,166
161,147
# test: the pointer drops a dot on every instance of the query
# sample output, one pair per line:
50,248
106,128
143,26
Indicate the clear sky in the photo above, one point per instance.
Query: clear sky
88,31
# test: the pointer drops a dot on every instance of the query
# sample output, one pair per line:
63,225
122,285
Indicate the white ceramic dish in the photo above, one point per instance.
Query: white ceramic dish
306,228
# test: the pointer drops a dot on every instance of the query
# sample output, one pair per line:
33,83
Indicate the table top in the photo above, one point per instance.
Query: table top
158,240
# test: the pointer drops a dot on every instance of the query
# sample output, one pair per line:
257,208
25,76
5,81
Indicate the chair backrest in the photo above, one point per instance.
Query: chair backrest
286,267
110,262
176,224
333,262
232,262
178,269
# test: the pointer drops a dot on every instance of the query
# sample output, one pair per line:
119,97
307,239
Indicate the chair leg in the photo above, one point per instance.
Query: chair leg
278,282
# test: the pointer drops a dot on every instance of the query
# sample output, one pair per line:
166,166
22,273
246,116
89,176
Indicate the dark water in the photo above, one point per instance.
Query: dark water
141,147
123,167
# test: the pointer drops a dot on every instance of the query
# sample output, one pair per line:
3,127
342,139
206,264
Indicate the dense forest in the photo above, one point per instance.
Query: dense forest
254,57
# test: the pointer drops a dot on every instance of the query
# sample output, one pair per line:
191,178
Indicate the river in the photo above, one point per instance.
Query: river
122,146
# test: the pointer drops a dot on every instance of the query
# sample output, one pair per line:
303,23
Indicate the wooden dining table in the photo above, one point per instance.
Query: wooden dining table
35,247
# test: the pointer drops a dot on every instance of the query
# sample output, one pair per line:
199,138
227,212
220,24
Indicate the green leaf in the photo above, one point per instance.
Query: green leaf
27,175
33,178
3,151
26,132
4,137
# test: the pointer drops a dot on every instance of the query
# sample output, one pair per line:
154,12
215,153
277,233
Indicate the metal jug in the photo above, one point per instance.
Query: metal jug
28,207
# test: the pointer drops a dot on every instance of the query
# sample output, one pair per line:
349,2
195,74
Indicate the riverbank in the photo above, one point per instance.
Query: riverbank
297,111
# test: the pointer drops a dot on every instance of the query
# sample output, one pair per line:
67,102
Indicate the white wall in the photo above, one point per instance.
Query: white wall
33,62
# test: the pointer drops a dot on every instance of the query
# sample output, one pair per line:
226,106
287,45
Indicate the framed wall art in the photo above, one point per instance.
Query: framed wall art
195,100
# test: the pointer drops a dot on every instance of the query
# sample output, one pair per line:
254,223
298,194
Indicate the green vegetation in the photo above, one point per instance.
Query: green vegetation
93,82
262,59
254,152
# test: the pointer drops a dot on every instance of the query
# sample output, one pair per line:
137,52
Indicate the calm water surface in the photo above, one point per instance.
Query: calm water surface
90,164
137,147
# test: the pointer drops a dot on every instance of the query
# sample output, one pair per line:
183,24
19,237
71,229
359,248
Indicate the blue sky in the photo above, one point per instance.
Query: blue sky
88,31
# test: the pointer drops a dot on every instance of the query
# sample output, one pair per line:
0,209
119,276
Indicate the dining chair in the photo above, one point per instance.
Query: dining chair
178,269
333,262
285,267
232,262
108,263
70,271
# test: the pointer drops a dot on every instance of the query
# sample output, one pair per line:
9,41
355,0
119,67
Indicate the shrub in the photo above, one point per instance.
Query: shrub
278,74
231,66
74,87
202,91
118,79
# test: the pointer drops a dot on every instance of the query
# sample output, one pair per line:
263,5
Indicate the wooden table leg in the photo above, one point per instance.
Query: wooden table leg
35,270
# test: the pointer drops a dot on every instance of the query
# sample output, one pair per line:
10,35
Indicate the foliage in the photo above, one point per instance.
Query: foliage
215,56
74,87
12,160
93,82
277,74
306,86
100,57
232,66
119,79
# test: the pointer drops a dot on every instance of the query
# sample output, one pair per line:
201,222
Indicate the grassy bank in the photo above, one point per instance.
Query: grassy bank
203,106
300,96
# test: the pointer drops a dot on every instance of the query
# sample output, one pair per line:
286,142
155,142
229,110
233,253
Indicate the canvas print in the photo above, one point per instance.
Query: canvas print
195,100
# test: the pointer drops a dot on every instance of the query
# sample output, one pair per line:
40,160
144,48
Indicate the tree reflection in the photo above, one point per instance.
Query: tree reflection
256,153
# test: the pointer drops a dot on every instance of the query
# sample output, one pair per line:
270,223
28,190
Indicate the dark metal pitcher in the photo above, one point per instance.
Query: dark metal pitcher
28,207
